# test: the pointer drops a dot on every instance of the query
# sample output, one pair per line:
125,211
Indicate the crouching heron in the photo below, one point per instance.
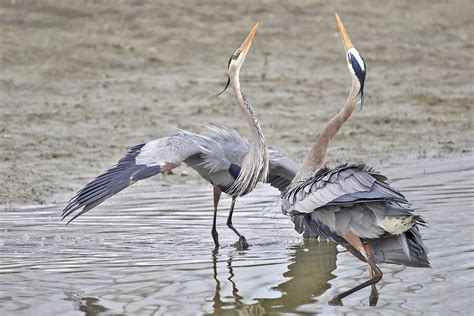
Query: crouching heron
352,205
222,157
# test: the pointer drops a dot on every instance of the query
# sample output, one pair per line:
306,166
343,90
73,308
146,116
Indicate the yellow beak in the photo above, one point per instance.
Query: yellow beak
346,41
246,44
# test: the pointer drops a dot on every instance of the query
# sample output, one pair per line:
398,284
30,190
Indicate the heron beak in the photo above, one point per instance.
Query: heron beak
248,41
346,41
243,49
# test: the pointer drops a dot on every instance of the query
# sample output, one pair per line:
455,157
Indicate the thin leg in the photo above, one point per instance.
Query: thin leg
242,241
229,218
355,241
374,295
215,236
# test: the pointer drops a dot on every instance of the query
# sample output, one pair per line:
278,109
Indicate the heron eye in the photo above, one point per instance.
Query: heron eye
236,55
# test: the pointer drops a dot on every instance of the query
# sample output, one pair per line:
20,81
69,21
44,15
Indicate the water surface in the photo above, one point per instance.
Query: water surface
149,251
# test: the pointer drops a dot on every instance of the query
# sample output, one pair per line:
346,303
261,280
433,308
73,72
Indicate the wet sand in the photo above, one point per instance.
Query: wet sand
82,81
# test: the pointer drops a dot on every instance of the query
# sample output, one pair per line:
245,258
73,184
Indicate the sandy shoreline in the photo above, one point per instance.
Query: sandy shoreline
82,82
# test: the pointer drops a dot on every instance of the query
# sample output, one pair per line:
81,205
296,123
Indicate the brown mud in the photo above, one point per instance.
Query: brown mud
81,81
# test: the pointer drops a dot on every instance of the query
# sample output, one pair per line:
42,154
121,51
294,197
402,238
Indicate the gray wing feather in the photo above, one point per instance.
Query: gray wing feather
342,185
382,209
362,190
141,162
222,147
407,249
227,143
282,170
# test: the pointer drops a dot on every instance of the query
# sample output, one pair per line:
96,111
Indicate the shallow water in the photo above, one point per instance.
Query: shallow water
149,251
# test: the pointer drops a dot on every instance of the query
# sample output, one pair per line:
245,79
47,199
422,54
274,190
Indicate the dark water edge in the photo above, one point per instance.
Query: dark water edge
149,251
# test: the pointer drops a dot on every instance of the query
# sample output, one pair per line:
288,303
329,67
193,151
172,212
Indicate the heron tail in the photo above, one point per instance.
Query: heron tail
406,249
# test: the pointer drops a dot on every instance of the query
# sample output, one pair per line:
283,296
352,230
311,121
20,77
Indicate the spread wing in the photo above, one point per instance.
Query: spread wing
344,185
281,170
141,162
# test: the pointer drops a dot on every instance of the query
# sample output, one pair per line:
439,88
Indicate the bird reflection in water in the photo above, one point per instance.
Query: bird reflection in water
308,277
218,303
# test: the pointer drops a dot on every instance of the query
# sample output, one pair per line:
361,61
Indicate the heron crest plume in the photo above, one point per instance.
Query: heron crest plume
225,88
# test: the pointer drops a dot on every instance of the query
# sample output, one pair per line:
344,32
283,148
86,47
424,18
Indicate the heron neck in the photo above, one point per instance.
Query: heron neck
257,138
315,157
255,164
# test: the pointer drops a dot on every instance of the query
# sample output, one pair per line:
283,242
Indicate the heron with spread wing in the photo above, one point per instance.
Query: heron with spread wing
351,204
222,157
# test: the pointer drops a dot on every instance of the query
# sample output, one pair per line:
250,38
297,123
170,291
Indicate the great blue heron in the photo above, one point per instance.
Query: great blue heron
223,158
351,204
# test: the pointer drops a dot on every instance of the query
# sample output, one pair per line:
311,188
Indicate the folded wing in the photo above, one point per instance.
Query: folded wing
344,185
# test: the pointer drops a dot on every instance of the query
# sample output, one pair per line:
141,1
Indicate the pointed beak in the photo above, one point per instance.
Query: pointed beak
243,51
346,41
248,41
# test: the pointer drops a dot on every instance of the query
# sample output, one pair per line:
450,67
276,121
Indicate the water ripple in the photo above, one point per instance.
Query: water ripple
149,250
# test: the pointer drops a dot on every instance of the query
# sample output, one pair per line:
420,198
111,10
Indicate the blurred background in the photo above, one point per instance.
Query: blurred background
81,81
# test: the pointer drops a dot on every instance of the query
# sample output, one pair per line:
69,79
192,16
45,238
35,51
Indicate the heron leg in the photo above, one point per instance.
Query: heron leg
217,197
242,241
355,241
374,295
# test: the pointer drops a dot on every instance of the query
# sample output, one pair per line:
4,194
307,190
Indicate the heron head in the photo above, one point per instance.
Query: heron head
355,62
237,59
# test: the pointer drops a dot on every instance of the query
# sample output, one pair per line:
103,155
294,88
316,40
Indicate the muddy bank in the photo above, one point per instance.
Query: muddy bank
82,81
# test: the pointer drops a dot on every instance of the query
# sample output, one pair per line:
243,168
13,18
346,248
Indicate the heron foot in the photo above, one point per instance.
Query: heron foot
242,244
215,237
167,167
336,301
373,298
